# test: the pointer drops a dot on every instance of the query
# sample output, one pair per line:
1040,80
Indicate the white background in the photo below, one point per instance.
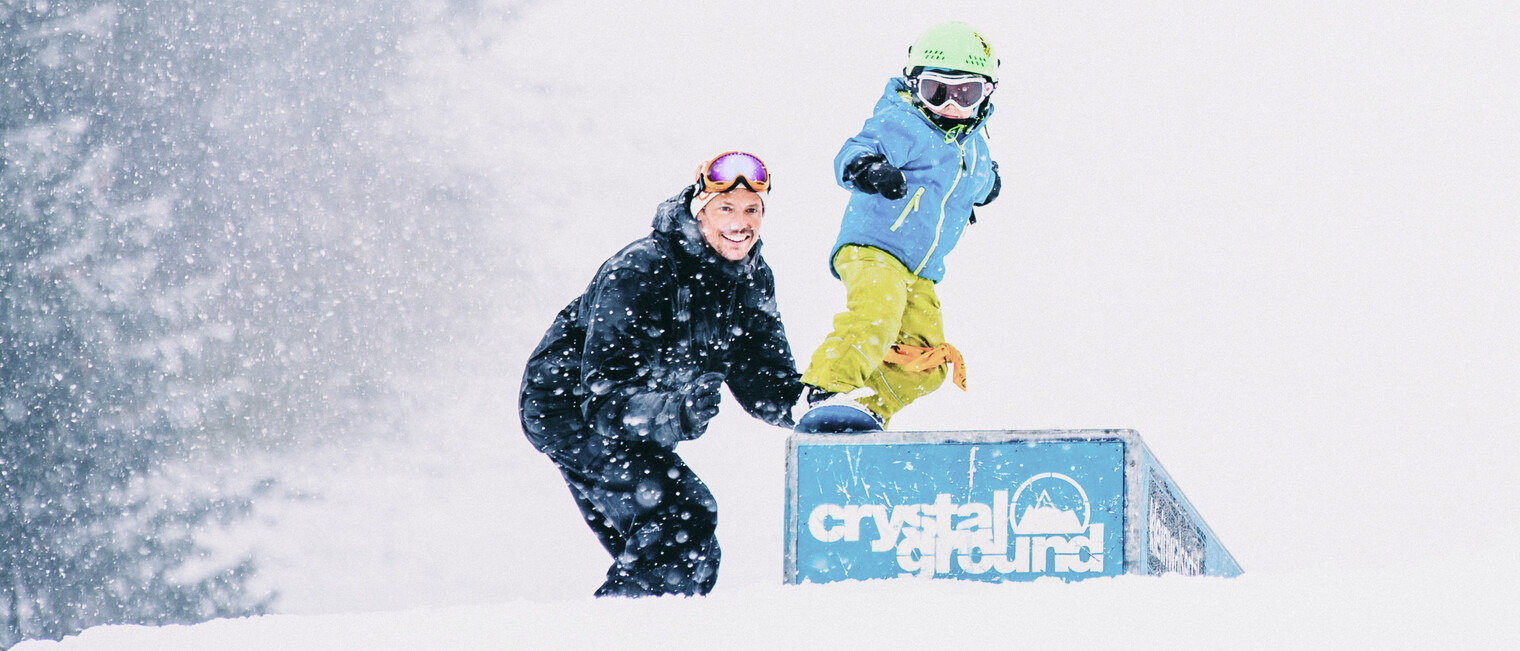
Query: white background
1279,239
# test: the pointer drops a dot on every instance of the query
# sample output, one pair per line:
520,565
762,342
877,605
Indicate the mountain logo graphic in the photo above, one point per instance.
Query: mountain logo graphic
1050,503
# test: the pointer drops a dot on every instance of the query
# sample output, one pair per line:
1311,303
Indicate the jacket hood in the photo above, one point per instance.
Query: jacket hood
897,97
674,220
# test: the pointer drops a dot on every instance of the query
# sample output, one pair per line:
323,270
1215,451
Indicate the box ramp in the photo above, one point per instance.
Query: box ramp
989,506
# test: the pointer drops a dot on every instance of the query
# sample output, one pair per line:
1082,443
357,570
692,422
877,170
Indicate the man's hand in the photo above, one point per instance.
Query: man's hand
699,403
872,174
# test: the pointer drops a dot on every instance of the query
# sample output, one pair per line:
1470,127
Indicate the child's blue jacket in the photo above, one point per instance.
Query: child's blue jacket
947,174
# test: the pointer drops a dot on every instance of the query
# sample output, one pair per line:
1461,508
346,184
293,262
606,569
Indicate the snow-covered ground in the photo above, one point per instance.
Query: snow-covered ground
1277,239
1415,608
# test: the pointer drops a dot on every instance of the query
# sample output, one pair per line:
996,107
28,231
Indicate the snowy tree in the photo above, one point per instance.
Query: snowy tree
94,333
213,242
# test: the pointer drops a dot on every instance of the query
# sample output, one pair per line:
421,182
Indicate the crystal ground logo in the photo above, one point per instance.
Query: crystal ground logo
1044,527
1040,513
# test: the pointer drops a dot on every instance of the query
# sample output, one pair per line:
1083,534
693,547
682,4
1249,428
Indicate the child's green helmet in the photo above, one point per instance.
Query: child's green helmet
954,46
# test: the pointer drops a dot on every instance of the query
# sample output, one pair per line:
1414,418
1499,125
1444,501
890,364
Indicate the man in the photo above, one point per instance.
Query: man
634,366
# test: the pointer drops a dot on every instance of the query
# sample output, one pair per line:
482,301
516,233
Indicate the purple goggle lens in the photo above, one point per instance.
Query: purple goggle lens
725,170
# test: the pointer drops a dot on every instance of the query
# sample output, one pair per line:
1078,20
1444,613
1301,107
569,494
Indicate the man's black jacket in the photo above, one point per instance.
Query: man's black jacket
660,313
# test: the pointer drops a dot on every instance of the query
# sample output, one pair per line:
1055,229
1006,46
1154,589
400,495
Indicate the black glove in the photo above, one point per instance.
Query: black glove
872,174
699,403
997,186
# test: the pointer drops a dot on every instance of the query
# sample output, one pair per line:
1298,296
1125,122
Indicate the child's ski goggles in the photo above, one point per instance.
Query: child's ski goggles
936,89
721,174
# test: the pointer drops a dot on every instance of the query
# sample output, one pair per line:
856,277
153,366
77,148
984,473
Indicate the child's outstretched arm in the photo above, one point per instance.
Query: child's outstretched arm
878,137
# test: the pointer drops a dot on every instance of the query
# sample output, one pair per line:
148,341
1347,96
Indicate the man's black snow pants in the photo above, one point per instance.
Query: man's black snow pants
656,518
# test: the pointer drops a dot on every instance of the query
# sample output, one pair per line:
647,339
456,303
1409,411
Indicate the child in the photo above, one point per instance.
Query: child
915,171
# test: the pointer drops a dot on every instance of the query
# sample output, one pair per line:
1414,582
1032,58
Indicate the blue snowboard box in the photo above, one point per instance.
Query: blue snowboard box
988,506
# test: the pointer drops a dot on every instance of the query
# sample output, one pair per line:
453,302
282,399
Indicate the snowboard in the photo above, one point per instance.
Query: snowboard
837,419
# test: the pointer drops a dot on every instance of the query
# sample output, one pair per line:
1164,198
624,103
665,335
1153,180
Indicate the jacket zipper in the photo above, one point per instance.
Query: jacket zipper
911,207
959,172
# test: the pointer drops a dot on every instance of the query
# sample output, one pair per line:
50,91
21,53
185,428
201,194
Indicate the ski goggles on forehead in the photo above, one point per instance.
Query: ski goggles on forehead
721,174
936,89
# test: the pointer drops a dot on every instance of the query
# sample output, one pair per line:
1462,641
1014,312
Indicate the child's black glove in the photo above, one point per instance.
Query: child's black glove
997,186
874,175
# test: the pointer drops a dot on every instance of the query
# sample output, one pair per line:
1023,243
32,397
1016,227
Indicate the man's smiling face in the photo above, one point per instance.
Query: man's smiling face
730,222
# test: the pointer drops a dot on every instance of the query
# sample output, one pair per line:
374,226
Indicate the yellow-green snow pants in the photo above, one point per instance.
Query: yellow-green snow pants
885,304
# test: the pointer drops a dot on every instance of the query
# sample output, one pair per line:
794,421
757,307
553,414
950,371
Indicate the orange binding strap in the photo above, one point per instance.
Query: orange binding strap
918,358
